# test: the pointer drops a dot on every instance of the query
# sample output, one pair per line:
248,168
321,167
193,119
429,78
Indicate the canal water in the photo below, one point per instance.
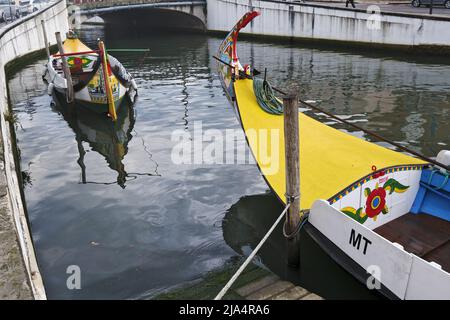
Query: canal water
111,200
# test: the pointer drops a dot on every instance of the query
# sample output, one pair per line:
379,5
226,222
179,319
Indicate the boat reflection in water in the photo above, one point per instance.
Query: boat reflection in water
108,138
246,223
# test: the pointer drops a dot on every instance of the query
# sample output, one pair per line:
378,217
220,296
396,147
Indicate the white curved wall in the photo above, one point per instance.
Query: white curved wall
289,19
16,40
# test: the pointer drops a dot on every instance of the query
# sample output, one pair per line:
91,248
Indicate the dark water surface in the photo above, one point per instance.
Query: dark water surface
110,200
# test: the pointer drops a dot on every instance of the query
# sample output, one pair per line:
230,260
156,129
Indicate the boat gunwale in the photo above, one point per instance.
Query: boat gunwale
234,102
331,199
344,260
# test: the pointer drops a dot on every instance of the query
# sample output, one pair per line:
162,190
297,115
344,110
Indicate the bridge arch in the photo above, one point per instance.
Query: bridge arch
153,13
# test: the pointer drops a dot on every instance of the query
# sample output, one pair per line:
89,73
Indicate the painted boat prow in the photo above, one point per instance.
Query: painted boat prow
353,189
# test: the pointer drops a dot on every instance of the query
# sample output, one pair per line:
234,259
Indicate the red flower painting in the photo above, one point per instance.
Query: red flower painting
375,202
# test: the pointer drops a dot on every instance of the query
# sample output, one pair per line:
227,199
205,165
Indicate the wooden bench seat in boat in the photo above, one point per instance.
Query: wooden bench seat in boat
424,235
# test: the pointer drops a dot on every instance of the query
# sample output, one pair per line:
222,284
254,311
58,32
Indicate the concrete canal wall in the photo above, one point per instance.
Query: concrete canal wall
19,273
316,22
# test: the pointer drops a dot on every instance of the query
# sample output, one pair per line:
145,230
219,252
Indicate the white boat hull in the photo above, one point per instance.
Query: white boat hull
402,273
87,96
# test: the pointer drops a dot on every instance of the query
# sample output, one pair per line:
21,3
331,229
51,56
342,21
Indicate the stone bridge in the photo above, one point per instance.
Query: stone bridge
290,18
185,13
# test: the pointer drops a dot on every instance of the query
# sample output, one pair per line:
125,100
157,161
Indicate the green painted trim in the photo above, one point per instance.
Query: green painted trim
99,107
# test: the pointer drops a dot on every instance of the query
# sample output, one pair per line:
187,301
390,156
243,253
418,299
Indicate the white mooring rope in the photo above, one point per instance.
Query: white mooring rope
250,257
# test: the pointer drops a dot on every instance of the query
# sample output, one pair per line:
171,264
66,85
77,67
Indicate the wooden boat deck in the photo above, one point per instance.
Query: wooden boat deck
254,283
273,288
426,236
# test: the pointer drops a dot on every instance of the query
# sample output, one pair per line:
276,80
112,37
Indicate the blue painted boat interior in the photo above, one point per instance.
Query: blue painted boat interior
433,197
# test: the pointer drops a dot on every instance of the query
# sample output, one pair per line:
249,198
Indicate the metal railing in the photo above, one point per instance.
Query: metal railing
22,11
119,2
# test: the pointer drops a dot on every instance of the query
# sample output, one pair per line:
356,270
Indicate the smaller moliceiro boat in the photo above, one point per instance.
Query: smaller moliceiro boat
375,211
99,80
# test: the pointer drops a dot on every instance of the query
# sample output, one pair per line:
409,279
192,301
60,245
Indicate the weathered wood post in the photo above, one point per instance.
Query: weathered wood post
66,70
47,49
292,147
106,80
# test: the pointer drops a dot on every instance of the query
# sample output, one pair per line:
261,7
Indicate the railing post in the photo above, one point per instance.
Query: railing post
292,147
47,49
66,70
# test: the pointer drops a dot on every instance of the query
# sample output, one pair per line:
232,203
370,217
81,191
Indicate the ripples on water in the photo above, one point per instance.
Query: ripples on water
168,224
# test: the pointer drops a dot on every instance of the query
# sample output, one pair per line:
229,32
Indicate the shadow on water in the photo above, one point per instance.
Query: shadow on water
153,19
246,223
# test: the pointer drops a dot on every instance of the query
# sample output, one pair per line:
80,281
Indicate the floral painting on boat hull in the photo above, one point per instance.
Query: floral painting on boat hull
375,201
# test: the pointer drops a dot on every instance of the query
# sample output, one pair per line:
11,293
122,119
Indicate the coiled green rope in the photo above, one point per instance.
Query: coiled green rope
266,97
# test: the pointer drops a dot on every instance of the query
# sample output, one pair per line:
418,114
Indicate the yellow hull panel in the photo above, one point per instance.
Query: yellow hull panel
330,160
75,45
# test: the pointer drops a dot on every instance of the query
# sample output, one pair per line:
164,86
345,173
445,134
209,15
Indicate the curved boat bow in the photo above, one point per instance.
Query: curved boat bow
330,160
369,205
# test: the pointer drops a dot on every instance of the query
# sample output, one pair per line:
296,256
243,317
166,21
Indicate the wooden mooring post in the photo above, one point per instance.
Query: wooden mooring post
44,31
292,147
66,70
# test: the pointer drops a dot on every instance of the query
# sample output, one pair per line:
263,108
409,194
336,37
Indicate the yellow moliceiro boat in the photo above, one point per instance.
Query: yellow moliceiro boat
368,206
87,68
